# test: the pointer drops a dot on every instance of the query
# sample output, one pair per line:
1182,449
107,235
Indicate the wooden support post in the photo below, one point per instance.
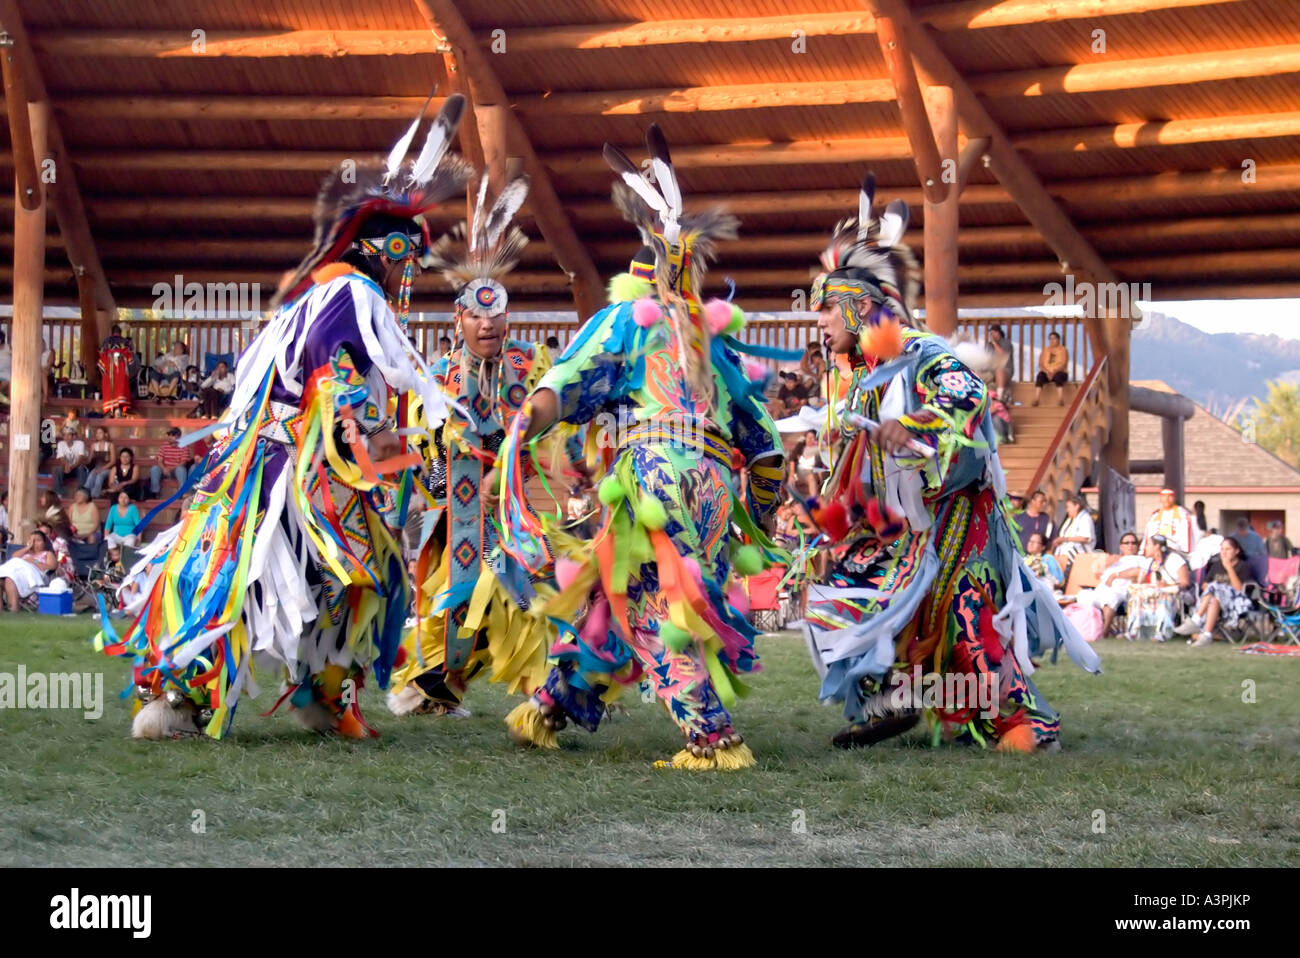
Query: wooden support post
1171,432
974,153
1117,331
26,386
89,329
941,219
898,57
24,155
492,134
470,147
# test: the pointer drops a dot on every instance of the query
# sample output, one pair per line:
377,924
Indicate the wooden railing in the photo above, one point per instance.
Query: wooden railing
1025,335
1077,443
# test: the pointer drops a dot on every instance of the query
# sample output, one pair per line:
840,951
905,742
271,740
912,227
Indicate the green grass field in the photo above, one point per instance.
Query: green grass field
1185,772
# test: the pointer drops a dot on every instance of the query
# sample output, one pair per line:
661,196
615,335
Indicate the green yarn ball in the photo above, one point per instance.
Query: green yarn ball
650,512
611,491
673,637
737,322
747,560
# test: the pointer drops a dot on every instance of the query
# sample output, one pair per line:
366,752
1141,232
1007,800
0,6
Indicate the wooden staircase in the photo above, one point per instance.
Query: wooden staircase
1035,429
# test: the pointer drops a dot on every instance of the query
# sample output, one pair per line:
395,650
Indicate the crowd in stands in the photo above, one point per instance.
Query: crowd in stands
1175,577
76,528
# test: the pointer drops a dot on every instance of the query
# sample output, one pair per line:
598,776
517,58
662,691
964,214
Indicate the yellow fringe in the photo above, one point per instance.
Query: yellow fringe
724,760
518,641
526,720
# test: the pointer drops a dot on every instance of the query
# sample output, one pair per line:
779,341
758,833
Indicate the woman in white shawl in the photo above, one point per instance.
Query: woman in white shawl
27,570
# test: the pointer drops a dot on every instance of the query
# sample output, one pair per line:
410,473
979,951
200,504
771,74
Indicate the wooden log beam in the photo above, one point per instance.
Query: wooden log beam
1121,191
26,388
1259,230
742,96
1246,262
165,44
1214,129
205,107
971,15
828,150
20,131
974,153
1177,70
941,218
760,153
1086,196
1081,78
617,36
588,289
911,106
983,14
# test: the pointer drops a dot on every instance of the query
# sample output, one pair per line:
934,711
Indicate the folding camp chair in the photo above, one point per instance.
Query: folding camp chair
765,606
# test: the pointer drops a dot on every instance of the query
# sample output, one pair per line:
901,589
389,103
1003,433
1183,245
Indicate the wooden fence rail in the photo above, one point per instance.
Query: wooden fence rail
207,339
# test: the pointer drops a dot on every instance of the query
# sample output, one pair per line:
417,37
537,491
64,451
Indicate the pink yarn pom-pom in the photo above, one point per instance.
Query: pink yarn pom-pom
738,598
757,371
718,313
645,312
566,570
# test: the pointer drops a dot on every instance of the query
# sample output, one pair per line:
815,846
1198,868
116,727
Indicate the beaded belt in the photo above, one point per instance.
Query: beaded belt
278,425
689,435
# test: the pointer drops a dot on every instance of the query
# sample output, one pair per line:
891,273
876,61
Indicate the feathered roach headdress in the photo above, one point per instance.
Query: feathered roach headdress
682,244
474,261
378,210
866,259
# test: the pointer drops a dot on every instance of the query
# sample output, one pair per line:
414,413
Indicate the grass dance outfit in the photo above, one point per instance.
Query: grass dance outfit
930,575
661,385
472,602
290,553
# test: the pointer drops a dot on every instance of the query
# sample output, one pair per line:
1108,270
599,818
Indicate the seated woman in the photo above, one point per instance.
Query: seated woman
125,476
192,383
119,526
1224,599
102,456
1120,572
216,391
164,378
1077,534
84,517
1053,366
1154,599
1042,564
26,571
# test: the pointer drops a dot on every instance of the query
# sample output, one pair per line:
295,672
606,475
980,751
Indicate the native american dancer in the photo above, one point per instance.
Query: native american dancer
472,602
290,551
929,582
116,356
661,385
